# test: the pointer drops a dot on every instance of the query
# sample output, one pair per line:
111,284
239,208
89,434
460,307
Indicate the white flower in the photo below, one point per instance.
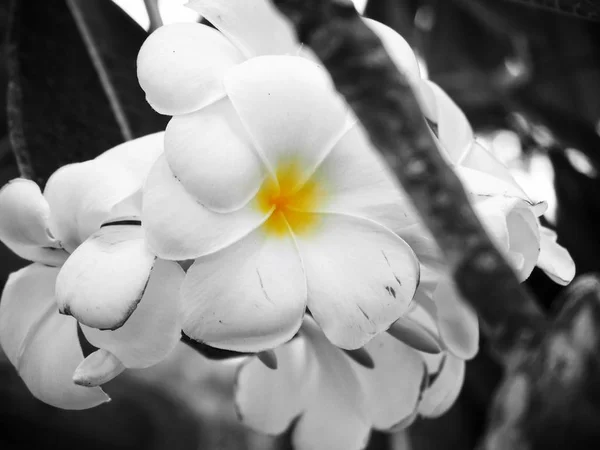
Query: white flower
123,297
336,400
509,215
280,199
214,83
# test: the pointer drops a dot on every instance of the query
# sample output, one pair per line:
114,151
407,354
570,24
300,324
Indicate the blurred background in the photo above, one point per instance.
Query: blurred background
527,78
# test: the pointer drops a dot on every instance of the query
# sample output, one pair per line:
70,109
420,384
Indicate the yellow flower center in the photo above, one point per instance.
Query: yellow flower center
290,199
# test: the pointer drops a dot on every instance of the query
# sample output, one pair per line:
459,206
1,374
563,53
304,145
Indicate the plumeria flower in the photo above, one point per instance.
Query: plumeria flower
262,151
90,260
335,400
251,29
510,216
279,198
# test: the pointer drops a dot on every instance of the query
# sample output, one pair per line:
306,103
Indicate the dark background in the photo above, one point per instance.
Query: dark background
471,48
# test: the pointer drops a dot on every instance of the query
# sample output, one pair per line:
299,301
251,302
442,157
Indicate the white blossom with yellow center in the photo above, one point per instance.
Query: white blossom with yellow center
280,199
197,74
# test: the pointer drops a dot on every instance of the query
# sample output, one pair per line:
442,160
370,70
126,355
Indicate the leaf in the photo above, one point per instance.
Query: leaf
583,9
73,90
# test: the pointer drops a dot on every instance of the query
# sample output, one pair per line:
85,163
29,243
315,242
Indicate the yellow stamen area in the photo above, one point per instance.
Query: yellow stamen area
290,199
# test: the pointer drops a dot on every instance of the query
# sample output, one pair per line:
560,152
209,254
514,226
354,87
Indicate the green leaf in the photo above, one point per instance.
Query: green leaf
73,90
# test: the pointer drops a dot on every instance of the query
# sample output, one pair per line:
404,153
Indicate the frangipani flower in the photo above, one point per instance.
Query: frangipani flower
254,28
279,198
507,212
336,400
90,261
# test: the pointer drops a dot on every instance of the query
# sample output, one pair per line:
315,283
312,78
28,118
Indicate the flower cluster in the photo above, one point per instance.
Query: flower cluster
90,260
294,232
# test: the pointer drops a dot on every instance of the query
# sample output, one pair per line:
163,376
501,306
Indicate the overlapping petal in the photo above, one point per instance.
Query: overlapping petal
105,278
81,197
154,328
457,322
290,109
336,415
268,400
353,179
178,227
441,394
453,129
137,155
41,343
181,67
336,400
399,51
361,277
397,375
98,368
210,153
255,27
54,257
25,218
480,159
554,260
514,227
250,296
417,329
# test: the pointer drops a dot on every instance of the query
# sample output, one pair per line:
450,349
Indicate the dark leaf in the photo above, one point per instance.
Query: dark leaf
583,9
73,90
139,417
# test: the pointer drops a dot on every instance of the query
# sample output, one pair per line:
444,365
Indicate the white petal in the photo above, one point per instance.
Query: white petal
178,227
336,414
98,368
554,259
154,328
393,387
25,215
137,155
250,296
181,67
424,245
443,392
493,218
399,50
40,343
482,184
480,159
81,197
457,322
512,224
353,179
54,257
255,27
361,277
268,400
210,153
454,131
290,109
417,329
105,278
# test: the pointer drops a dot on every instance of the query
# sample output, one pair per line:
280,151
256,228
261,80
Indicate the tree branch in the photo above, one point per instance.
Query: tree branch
153,14
388,109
